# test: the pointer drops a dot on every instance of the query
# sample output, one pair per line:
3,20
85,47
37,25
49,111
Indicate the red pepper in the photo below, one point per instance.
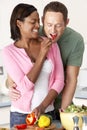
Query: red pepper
21,126
31,119
53,36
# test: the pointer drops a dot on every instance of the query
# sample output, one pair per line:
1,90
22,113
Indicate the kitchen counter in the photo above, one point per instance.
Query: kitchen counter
56,123
27,129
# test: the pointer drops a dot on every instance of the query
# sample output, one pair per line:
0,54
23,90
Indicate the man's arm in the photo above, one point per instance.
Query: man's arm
9,82
14,94
70,85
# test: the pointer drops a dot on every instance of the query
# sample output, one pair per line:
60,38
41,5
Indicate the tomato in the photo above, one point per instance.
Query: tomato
21,126
31,119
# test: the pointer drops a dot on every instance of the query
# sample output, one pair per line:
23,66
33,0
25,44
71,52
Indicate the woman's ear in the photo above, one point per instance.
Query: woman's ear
18,23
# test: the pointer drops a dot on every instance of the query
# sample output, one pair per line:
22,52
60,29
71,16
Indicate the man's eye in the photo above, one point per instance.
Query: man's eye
59,25
49,25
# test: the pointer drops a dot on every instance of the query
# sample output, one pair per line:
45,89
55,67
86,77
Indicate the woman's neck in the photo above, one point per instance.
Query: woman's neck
26,43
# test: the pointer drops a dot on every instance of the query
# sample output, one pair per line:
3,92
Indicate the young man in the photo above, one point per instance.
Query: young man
71,44
55,20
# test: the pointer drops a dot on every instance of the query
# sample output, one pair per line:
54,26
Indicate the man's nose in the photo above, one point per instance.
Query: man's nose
53,29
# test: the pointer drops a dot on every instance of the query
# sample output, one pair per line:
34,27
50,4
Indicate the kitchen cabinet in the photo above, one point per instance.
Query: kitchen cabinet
4,110
4,116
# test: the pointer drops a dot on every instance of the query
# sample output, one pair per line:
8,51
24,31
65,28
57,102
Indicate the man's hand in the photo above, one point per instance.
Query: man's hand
14,94
9,82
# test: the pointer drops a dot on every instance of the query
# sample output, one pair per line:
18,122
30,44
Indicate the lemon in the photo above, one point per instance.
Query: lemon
44,121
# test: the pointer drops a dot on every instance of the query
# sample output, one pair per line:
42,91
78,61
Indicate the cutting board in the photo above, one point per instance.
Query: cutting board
4,128
34,127
51,127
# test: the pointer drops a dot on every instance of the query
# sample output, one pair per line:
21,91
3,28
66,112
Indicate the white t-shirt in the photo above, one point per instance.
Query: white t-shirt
41,88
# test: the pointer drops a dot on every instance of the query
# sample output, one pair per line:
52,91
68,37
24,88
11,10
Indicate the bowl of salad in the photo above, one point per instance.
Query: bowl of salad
73,116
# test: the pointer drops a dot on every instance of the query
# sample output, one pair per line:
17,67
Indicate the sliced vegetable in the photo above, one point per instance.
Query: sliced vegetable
31,119
53,36
21,126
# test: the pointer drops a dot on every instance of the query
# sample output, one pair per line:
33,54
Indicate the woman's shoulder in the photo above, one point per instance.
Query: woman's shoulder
7,49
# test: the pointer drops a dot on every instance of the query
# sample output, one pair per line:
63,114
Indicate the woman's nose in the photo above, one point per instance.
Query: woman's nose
37,25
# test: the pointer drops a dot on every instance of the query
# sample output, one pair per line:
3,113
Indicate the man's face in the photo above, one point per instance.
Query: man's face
54,25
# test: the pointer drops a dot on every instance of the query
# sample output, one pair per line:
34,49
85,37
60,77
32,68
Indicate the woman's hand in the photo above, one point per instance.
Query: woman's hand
45,45
39,110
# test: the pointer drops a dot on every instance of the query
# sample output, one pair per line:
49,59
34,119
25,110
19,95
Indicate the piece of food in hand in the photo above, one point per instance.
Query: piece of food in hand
21,126
53,36
44,121
31,119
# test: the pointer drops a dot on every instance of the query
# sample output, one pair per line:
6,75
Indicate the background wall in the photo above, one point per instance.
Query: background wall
77,15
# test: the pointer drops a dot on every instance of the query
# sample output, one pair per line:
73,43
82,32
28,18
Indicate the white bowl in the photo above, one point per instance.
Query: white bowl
67,119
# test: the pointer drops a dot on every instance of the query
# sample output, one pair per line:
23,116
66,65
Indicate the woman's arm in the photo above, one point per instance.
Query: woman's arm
56,82
25,81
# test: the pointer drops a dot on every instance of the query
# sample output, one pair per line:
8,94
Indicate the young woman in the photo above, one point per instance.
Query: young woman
34,64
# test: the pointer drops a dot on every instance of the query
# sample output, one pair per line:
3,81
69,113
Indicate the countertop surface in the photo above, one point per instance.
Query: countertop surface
56,125
4,100
27,129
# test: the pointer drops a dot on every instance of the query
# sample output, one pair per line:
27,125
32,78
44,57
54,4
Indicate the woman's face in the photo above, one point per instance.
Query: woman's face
29,28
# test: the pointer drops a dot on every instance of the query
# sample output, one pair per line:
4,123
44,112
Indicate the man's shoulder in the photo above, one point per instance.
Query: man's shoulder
70,35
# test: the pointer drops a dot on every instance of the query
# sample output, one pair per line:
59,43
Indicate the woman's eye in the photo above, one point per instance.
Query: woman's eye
33,22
